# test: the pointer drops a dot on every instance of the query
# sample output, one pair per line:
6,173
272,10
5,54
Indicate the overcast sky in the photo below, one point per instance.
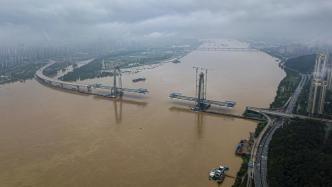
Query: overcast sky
28,21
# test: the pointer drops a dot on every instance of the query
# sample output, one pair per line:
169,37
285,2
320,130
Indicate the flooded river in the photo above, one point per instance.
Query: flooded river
50,137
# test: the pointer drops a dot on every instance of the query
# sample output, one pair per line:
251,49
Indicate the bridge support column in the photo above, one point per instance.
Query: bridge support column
201,103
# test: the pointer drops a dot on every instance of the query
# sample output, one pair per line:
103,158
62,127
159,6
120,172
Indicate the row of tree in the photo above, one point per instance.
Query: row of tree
300,154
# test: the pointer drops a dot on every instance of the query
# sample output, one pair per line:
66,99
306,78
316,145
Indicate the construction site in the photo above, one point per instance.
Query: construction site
201,103
112,91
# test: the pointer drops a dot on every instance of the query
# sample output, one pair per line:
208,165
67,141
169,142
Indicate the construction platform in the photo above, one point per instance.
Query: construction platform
206,102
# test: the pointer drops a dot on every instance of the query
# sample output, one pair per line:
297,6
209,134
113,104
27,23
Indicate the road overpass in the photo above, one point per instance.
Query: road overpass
287,115
257,170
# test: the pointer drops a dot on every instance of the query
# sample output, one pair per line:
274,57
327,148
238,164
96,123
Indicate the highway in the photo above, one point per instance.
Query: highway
259,156
254,152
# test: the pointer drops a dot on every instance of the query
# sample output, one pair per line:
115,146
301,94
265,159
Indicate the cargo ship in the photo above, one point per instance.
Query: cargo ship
139,79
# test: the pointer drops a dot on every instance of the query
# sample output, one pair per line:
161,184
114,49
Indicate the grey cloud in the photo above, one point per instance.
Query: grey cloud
85,20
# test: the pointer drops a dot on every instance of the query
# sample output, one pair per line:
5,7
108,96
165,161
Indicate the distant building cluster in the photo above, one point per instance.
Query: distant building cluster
16,55
11,56
321,82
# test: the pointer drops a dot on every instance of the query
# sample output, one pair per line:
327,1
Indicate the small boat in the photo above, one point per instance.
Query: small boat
175,94
139,79
230,104
218,174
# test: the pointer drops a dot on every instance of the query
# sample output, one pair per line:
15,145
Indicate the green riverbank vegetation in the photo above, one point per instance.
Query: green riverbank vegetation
300,154
18,72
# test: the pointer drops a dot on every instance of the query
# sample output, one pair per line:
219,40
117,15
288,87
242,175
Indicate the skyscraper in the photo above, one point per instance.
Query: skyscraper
329,74
321,81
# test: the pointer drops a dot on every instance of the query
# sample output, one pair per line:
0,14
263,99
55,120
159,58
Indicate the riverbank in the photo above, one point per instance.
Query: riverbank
242,174
308,144
126,60
285,90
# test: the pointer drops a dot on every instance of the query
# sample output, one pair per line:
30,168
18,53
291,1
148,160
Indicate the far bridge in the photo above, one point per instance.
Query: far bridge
226,49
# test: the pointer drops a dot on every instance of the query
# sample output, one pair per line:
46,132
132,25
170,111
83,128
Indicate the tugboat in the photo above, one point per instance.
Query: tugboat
218,174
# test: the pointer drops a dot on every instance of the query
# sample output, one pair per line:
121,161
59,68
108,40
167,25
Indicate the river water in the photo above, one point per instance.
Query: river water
50,137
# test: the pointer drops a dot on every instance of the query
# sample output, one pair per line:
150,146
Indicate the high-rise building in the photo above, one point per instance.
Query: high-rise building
321,81
329,74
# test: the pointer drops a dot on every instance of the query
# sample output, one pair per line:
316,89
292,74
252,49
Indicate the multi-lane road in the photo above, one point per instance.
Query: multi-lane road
258,172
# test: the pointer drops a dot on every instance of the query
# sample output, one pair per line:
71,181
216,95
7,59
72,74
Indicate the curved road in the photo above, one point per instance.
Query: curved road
260,151
93,89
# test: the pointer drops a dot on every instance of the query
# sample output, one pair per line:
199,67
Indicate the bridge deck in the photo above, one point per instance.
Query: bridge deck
85,88
227,104
133,90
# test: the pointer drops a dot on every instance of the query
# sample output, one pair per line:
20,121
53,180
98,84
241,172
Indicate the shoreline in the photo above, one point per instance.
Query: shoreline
242,174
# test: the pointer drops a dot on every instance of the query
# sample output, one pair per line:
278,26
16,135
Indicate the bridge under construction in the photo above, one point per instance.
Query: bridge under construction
114,91
201,103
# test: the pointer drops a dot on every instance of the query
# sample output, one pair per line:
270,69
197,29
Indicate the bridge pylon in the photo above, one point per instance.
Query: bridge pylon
116,90
201,86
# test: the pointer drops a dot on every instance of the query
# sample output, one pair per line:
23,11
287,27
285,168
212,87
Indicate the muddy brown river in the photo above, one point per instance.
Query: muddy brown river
50,137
